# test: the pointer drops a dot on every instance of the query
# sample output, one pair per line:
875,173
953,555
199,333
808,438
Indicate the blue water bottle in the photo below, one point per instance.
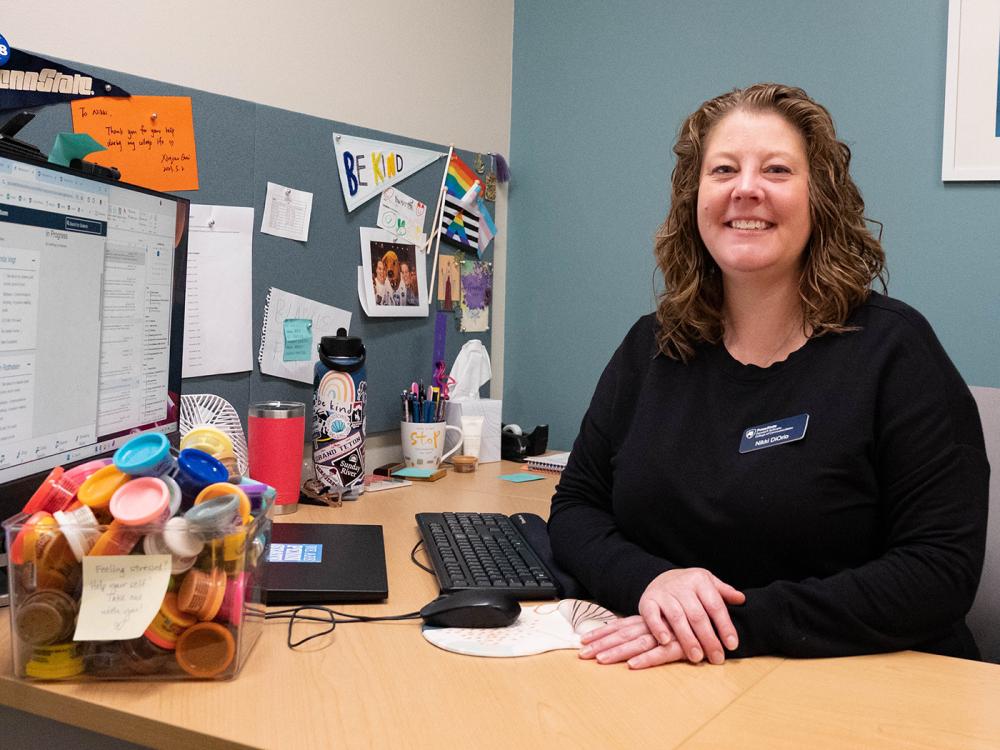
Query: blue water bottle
340,394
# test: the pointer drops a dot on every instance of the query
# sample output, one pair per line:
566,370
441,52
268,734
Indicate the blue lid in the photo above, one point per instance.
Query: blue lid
202,467
142,454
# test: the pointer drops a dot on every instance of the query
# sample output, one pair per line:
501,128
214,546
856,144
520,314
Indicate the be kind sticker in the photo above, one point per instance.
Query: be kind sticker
771,434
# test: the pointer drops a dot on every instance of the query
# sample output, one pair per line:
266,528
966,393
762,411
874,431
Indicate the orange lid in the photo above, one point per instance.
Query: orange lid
170,621
201,593
22,549
205,649
97,489
221,489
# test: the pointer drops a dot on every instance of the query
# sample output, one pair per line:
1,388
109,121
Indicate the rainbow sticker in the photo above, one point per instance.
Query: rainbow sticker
336,386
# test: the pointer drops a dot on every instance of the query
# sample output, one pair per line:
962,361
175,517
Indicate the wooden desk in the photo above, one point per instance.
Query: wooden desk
382,685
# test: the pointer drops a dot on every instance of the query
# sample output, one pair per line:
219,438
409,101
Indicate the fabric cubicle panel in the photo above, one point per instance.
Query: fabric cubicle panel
241,146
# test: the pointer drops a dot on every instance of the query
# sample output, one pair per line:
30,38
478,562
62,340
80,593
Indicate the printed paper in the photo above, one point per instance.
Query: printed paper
121,595
150,139
287,212
218,323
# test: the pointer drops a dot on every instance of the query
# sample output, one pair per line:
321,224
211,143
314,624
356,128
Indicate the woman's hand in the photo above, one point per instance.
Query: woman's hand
628,639
688,606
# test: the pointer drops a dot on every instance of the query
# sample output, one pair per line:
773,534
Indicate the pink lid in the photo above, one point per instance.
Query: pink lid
232,603
81,472
140,501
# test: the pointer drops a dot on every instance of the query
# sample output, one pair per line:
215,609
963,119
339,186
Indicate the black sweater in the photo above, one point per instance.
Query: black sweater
865,536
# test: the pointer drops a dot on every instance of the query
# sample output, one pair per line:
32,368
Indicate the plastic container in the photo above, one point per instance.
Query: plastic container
54,493
208,619
195,471
97,489
147,455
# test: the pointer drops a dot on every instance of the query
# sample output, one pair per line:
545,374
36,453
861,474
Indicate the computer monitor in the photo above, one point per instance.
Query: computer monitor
92,278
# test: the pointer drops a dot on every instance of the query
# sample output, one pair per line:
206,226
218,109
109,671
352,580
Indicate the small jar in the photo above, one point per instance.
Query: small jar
168,623
97,489
153,544
45,617
146,455
205,650
117,539
216,443
222,489
58,661
202,592
232,603
214,517
80,474
195,471
80,528
181,539
54,493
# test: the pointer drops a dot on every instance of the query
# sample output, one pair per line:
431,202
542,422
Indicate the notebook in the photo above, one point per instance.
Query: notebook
309,563
553,462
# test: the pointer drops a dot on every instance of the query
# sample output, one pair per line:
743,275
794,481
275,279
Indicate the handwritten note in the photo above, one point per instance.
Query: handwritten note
298,340
150,139
121,595
403,216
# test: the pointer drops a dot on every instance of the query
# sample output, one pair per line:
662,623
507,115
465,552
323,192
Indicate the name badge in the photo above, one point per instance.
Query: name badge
778,432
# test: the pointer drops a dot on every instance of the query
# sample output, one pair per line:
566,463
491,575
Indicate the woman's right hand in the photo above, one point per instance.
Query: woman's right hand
689,605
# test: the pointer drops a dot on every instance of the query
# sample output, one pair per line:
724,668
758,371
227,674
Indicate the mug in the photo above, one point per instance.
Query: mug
423,443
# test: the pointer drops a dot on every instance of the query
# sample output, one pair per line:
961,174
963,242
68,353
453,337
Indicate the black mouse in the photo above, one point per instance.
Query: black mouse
474,608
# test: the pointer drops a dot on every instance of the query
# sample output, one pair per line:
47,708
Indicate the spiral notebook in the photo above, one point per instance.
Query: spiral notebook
552,462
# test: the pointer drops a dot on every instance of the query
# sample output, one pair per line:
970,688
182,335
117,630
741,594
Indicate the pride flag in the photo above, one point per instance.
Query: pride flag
460,178
469,227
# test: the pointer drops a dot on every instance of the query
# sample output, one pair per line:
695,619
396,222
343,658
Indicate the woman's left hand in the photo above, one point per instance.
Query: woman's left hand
628,639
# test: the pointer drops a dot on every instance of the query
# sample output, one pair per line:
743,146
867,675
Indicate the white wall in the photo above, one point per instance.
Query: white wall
413,67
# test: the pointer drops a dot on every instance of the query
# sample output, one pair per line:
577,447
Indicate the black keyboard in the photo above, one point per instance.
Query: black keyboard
483,551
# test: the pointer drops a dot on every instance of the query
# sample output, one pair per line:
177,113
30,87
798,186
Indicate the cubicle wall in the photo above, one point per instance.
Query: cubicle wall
241,146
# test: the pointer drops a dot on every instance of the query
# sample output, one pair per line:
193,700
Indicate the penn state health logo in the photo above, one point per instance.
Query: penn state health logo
750,434
4,51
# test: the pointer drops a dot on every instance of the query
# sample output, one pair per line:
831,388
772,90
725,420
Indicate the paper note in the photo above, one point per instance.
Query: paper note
69,146
414,472
402,216
281,306
448,286
298,340
150,139
477,292
287,212
217,321
521,477
121,595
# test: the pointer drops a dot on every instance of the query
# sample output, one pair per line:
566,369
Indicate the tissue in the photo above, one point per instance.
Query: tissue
471,371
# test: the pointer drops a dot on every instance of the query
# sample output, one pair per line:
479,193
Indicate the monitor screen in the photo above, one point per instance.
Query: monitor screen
92,276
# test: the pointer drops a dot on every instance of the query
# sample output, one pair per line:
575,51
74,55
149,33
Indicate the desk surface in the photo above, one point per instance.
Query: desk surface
383,685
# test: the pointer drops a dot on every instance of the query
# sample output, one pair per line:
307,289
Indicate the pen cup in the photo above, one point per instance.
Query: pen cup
423,443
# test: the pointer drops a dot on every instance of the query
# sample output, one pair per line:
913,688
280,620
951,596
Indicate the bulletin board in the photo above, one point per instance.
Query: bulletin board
241,146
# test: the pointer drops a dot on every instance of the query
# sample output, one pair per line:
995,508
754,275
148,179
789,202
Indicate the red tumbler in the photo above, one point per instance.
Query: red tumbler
276,435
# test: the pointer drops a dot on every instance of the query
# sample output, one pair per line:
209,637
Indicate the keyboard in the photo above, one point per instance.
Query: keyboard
483,551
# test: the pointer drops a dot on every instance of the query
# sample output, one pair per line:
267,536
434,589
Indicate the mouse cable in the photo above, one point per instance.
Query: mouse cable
329,616
413,556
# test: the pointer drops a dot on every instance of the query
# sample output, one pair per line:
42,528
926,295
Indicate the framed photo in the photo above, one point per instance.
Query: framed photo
971,148
392,276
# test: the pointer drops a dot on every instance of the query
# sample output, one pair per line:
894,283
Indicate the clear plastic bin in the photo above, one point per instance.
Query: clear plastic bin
210,607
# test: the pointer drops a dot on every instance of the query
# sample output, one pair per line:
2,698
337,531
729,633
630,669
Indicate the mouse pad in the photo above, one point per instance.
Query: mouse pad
546,627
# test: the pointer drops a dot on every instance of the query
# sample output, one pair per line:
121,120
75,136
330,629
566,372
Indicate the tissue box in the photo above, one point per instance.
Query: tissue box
490,409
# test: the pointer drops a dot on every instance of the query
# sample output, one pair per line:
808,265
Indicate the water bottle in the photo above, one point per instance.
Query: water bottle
341,391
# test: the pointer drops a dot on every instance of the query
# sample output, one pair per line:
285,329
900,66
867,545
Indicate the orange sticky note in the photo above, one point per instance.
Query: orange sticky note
150,139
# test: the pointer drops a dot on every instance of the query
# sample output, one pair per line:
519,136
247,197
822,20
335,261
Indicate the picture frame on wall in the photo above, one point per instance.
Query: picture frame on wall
971,149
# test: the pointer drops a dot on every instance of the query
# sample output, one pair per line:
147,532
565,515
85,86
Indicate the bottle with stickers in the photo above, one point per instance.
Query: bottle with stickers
340,394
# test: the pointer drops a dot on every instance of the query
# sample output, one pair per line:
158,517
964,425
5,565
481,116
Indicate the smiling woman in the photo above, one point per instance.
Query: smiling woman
780,460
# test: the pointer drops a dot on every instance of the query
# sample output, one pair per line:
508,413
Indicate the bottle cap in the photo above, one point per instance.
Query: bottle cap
80,528
142,501
223,489
45,617
180,539
341,351
97,489
144,455
206,649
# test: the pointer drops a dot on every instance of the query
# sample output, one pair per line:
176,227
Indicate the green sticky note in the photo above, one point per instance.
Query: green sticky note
411,471
298,340
69,146
521,477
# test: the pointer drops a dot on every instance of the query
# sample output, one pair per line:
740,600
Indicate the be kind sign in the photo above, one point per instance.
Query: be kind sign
368,167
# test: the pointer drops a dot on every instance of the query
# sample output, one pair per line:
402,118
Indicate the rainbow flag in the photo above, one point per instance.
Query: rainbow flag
469,227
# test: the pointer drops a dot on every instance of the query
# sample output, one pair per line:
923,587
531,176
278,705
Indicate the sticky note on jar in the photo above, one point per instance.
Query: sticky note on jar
121,595
298,340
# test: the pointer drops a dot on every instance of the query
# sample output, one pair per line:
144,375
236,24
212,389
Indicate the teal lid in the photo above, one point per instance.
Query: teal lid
143,455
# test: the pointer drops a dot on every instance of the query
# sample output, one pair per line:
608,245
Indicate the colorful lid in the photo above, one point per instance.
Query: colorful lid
153,544
203,468
54,662
210,439
22,549
80,473
180,539
143,455
141,501
176,497
80,528
97,489
223,489
201,593
214,516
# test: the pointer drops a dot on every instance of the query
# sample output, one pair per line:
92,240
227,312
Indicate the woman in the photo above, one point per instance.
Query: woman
780,460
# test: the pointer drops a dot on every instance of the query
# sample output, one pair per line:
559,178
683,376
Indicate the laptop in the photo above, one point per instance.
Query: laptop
315,563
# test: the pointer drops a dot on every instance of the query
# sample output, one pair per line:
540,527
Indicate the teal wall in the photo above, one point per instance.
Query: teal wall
599,91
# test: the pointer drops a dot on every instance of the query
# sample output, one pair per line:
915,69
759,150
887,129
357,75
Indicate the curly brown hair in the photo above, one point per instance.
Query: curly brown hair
841,258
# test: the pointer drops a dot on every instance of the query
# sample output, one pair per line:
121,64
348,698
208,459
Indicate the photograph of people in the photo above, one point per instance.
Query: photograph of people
381,284
860,528
410,294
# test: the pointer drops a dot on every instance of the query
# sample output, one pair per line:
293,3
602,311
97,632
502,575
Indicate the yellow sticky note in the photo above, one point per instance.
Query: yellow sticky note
150,139
121,595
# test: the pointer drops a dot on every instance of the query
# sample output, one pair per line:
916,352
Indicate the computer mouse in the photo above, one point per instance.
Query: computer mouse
473,608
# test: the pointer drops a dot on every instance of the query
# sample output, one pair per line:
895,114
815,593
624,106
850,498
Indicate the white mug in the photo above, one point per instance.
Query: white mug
423,443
